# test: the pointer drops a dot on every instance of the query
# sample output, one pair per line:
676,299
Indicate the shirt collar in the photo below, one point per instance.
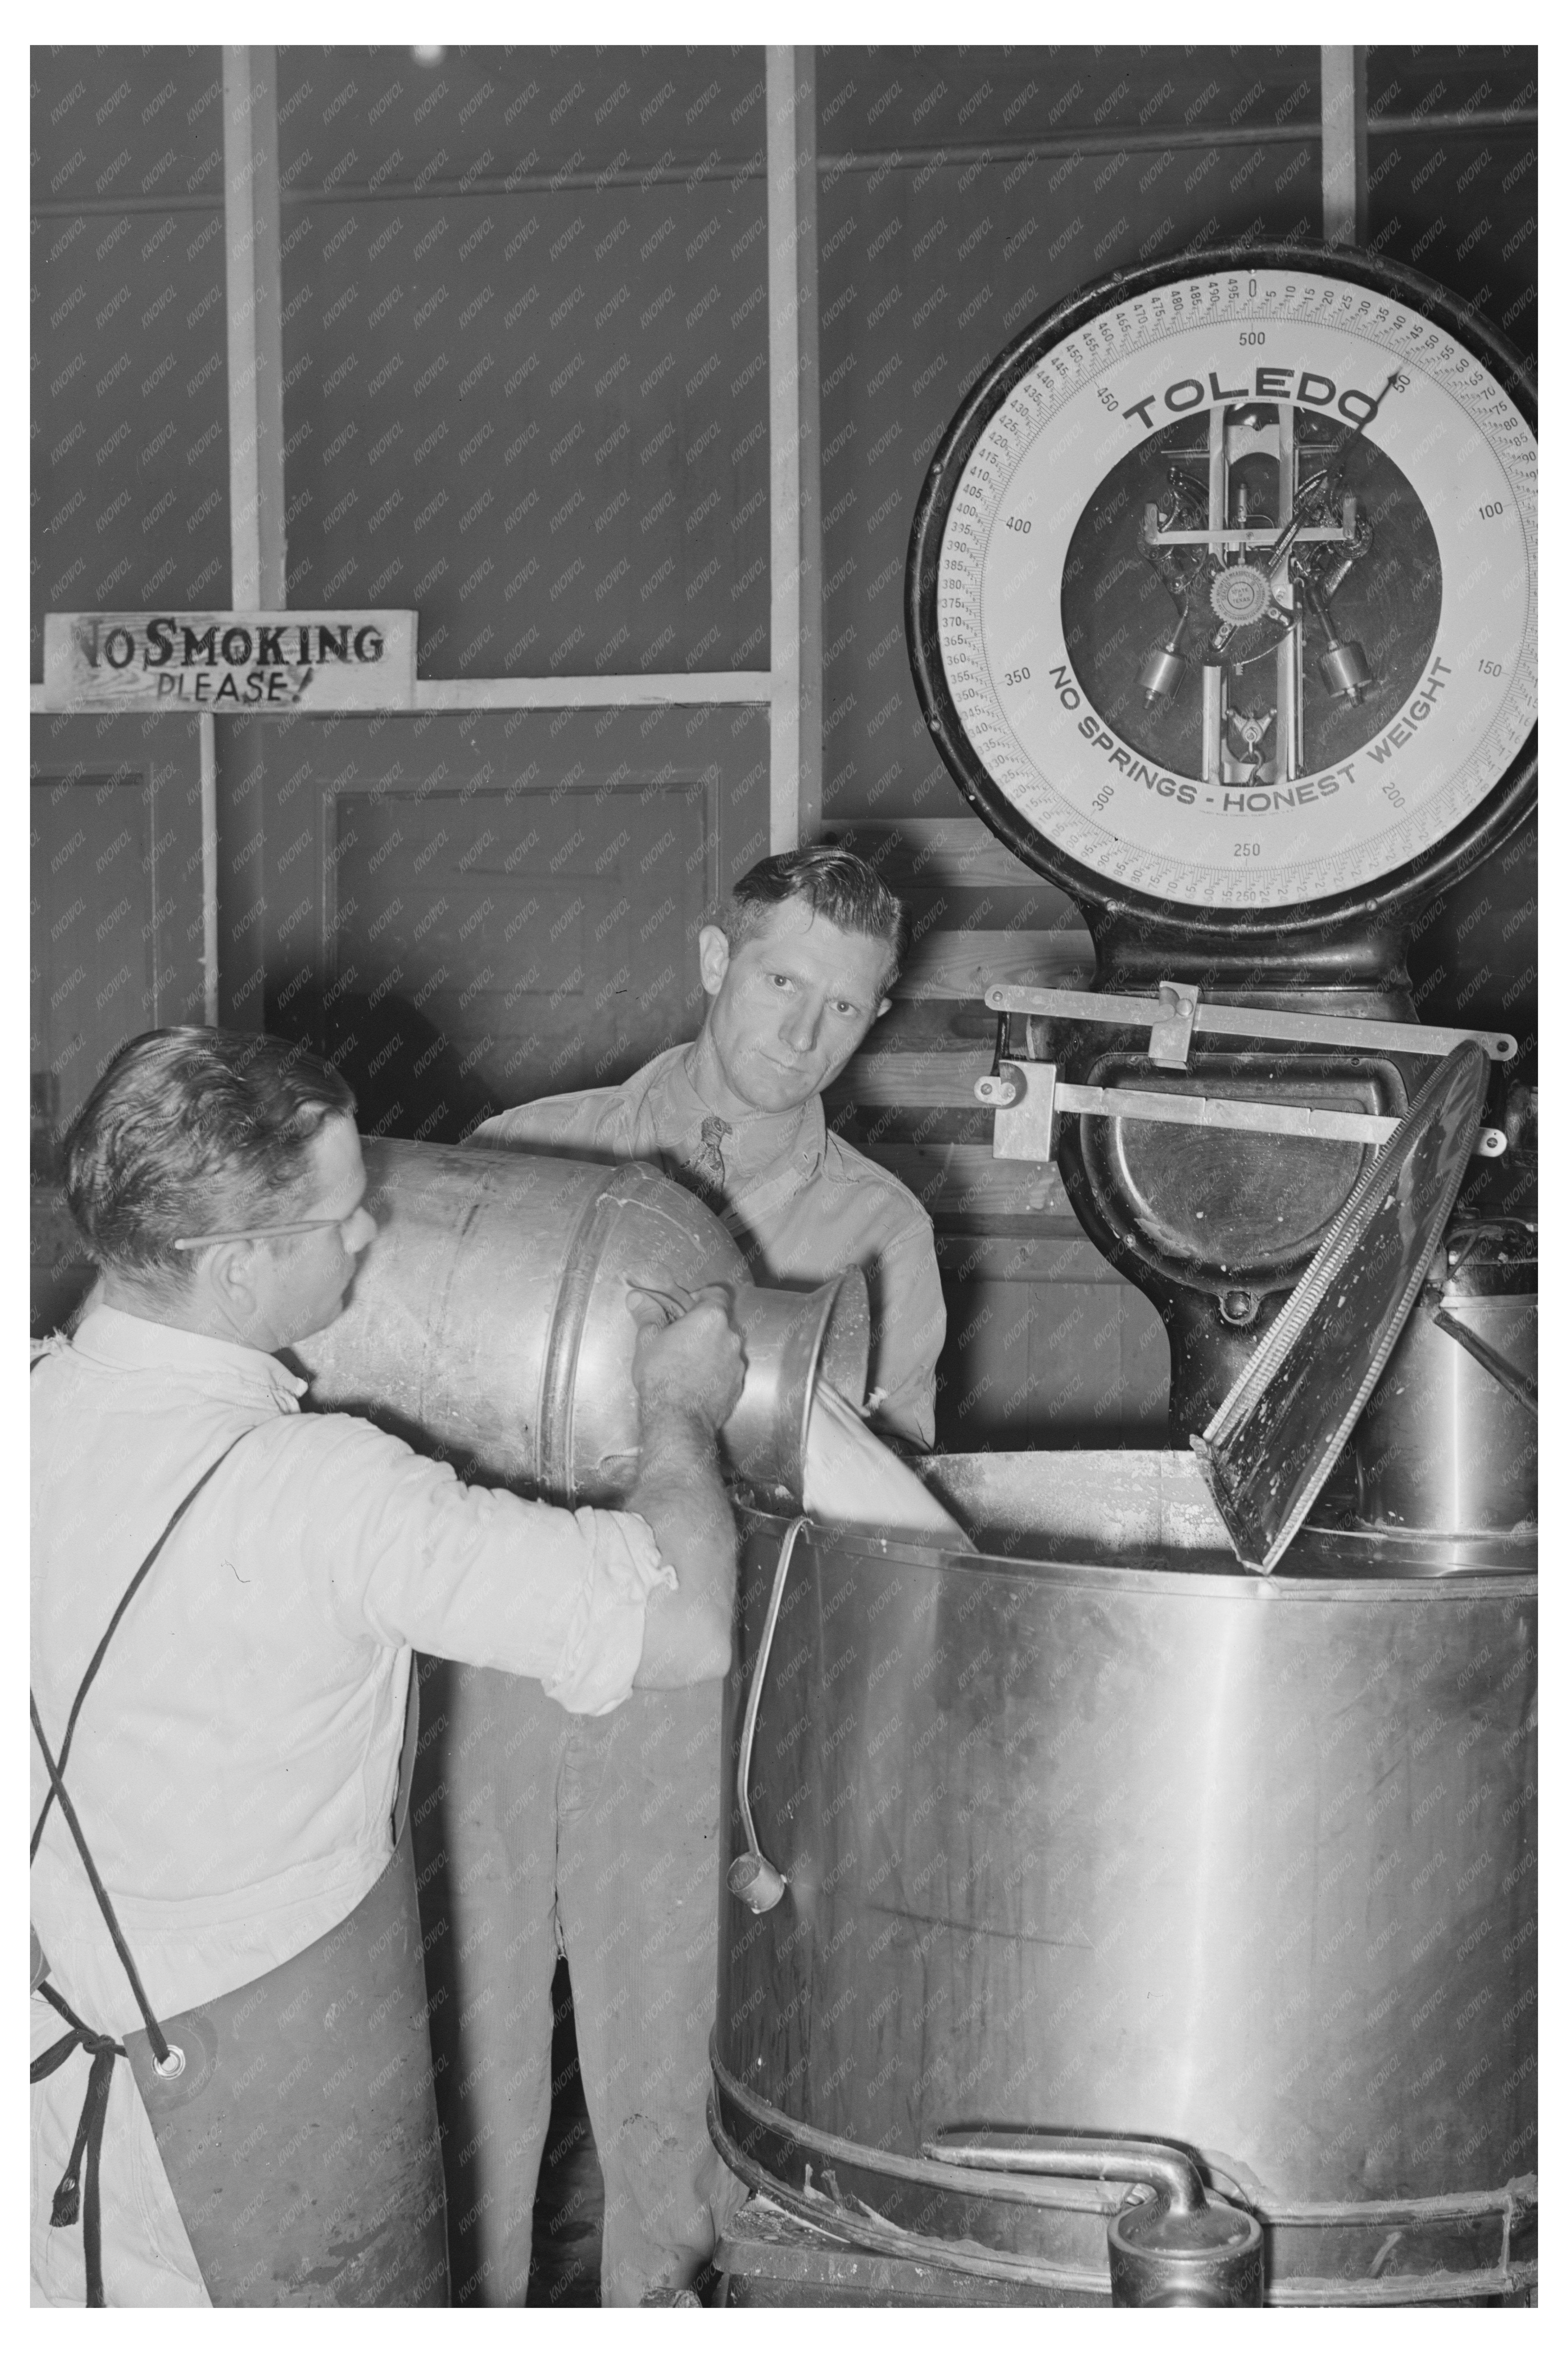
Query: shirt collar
764,1138
134,1344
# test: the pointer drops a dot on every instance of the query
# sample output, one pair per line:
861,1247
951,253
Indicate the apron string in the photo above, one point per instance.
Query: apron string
155,2035
78,2190
125,1600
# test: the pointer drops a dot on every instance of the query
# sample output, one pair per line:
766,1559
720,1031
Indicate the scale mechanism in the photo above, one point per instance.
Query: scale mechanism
1029,1100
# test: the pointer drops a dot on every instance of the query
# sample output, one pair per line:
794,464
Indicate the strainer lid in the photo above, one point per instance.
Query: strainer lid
1269,1448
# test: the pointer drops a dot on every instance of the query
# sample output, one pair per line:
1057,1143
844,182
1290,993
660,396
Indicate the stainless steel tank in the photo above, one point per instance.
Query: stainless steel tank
1096,1831
493,1315
1448,1440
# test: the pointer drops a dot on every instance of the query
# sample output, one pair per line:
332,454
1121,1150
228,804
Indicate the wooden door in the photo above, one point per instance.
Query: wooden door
471,911
116,901
486,947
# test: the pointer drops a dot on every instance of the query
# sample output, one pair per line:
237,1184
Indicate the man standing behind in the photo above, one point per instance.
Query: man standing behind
797,967
555,1812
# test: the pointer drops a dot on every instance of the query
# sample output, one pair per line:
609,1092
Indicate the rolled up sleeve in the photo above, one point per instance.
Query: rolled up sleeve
603,1644
909,1318
473,1573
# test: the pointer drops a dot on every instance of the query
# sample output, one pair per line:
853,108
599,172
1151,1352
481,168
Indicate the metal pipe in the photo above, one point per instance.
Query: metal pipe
1077,2157
738,2124
751,1876
1179,2247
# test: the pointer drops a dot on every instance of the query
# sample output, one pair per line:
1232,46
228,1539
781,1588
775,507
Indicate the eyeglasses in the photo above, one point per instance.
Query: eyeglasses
258,1233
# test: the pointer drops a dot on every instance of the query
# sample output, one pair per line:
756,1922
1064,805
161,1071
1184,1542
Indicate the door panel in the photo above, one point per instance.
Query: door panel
116,902
468,911
489,946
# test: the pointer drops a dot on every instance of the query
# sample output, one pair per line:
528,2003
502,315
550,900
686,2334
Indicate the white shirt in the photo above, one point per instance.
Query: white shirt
236,1758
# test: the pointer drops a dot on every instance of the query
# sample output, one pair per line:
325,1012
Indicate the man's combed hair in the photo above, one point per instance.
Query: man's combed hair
832,883
194,1131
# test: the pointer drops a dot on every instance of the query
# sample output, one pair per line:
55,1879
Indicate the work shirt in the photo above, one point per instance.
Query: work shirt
802,1203
235,1762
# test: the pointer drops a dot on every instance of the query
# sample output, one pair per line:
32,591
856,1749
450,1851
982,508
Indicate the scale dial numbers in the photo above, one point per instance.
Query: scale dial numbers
1226,596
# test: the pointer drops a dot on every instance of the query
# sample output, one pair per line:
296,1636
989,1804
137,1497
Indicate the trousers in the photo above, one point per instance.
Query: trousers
536,1833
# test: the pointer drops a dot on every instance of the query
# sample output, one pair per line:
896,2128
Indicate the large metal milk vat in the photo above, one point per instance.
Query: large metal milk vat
1096,1831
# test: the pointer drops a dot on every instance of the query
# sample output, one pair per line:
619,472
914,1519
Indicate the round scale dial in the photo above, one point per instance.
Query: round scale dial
1222,587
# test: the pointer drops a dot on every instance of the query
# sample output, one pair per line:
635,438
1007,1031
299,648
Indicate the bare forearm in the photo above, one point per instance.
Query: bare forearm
680,1493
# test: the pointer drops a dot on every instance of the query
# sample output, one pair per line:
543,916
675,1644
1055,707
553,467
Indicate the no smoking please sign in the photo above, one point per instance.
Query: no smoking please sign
229,661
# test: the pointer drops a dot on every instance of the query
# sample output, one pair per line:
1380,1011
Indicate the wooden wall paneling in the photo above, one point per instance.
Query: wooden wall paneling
525,353
983,1395
949,852
965,1190
1028,1257
130,478
1047,1345
962,194
93,964
951,873
487,947
307,913
920,1077
1145,1383
963,963
1452,172
984,101
1075,1362
116,898
262,917
128,132
363,121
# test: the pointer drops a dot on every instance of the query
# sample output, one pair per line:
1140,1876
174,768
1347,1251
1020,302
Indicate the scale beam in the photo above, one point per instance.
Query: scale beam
1029,1100
1159,1013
